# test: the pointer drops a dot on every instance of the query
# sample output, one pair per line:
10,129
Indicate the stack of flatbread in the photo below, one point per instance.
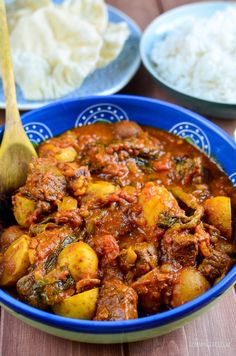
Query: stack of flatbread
55,47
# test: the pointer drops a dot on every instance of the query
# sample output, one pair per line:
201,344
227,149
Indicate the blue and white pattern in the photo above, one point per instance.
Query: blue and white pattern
101,113
194,133
37,132
233,179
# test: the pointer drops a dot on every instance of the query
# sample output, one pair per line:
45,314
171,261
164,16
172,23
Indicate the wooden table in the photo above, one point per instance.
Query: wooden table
214,333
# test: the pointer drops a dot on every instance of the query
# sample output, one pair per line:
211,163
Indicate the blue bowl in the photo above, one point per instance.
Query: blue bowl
56,118
157,31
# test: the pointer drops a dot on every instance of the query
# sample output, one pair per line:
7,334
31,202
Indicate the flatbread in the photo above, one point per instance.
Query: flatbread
113,42
55,47
51,62
93,11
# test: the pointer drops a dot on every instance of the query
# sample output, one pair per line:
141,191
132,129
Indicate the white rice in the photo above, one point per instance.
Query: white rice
199,57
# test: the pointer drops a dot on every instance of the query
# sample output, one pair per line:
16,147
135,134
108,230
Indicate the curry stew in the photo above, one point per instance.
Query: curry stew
116,222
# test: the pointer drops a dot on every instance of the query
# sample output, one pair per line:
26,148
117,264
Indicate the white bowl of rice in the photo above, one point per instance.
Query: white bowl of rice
191,52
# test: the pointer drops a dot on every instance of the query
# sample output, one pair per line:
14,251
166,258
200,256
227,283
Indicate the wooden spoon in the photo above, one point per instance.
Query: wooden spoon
16,151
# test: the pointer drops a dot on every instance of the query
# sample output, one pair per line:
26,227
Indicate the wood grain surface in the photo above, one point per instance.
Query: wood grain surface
214,333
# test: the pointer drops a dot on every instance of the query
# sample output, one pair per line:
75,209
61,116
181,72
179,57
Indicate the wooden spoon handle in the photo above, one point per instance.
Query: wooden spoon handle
12,113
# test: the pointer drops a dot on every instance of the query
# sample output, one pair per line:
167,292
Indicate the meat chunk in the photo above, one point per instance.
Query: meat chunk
123,161
50,290
164,163
116,302
226,247
216,265
180,246
189,170
139,258
45,247
77,177
45,182
109,221
71,218
155,288
28,292
106,247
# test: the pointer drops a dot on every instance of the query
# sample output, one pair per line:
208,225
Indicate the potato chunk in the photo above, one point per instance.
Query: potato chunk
80,259
79,306
67,204
67,154
15,261
157,201
9,235
126,129
23,208
218,213
101,189
190,284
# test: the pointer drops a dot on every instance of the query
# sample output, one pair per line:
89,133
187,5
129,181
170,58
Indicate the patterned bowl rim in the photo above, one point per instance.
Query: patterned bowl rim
144,323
